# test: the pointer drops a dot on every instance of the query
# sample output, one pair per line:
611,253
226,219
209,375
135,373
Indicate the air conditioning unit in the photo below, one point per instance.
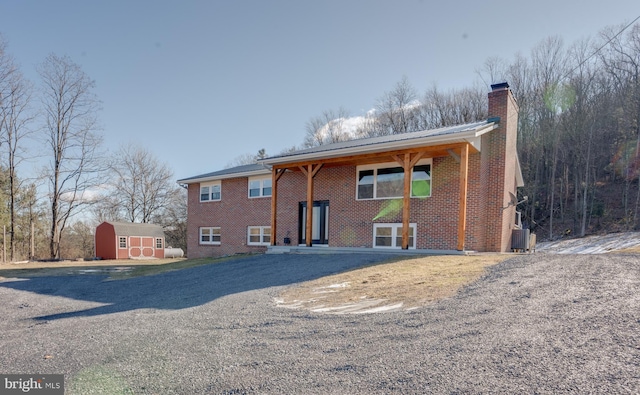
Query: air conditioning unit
520,239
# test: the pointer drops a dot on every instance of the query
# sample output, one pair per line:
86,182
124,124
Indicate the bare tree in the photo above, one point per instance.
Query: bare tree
327,128
142,186
174,219
621,59
394,109
247,159
439,109
70,112
15,98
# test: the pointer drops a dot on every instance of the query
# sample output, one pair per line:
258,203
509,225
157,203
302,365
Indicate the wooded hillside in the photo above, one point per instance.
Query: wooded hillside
579,129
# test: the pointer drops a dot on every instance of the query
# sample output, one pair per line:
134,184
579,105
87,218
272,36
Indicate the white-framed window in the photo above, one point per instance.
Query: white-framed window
210,235
390,235
259,235
259,187
122,242
386,181
158,243
211,192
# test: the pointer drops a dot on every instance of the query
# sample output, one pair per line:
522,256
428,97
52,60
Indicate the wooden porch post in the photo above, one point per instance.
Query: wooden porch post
462,214
407,164
406,201
275,176
310,172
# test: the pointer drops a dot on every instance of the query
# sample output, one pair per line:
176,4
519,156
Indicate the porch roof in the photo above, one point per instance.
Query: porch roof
466,133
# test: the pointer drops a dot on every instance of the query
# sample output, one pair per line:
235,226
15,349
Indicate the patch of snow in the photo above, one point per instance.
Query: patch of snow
331,288
367,306
591,244
341,285
380,309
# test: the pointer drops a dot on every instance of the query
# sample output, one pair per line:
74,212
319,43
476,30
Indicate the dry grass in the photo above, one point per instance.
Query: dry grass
414,282
630,250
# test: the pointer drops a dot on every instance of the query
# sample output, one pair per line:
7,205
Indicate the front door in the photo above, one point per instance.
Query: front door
319,222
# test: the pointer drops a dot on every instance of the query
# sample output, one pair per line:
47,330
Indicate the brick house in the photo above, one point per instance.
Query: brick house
441,189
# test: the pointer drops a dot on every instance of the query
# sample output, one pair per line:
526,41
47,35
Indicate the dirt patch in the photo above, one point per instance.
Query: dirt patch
399,285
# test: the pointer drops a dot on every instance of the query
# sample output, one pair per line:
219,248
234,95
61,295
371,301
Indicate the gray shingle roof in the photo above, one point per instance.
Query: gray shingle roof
133,229
240,171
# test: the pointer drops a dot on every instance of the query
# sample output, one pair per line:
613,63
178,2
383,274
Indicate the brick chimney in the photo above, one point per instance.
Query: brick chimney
498,168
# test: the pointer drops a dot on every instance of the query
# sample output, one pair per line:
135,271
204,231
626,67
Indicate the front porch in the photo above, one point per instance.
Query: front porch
280,249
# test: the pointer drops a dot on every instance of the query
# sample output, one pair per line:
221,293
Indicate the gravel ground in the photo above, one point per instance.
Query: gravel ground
534,324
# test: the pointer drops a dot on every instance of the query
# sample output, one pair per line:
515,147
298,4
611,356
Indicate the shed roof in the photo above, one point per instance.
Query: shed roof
134,229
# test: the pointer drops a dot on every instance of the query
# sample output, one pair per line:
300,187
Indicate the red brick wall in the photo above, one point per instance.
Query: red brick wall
498,167
233,214
351,221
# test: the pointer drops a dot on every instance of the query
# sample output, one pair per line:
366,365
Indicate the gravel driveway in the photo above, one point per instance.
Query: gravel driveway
534,324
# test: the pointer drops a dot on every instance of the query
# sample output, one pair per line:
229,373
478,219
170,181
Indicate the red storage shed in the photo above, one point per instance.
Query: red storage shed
126,240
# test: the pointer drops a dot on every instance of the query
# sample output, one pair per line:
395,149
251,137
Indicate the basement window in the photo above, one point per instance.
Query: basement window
259,235
390,235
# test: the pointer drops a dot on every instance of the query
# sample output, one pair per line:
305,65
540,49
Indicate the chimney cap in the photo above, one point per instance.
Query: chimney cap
500,86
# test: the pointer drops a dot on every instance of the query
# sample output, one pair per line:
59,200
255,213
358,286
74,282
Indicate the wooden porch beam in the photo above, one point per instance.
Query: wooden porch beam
439,150
275,176
416,158
462,214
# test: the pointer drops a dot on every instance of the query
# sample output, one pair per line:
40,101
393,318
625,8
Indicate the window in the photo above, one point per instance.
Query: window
259,235
210,192
386,181
158,243
210,235
259,187
390,182
365,184
421,181
123,242
390,235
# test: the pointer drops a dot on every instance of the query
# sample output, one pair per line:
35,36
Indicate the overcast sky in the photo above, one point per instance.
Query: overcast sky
202,82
